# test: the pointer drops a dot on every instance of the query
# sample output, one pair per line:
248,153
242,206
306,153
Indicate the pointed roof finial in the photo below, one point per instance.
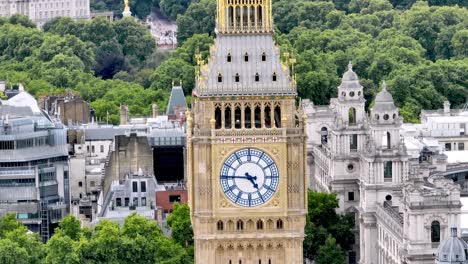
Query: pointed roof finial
350,66
384,85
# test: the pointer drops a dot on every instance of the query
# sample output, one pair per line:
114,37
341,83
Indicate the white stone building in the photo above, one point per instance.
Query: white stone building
402,202
41,11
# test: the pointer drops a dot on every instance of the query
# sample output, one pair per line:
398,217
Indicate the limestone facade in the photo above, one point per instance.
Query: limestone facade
403,206
245,102
41,11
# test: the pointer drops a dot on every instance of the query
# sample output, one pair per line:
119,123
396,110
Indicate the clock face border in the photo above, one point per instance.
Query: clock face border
242,170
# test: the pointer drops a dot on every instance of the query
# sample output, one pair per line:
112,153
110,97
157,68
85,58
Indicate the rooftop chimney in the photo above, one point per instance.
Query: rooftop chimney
123,114
446,107
155,110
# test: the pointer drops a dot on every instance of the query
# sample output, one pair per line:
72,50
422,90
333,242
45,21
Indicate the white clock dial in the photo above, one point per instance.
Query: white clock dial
249,177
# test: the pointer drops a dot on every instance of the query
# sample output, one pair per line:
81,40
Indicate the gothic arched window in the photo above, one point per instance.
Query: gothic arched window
258,116
247,117
279,224
229,57
220,78
435,231
220,225
267,113
240,225
277,116
388,171
263,56
257,77
237,77
237,118
274,77
246,57
227,117
218,118
352,116
259,224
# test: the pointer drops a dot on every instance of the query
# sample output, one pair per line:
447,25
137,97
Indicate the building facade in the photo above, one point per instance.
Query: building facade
34,169
403,205
246,152
40,11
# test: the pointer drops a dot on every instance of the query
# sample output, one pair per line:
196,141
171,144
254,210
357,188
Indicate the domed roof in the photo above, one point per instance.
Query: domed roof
384,100
350,79
452,249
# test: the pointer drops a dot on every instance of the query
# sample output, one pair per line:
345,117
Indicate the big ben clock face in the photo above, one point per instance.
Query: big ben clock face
249,177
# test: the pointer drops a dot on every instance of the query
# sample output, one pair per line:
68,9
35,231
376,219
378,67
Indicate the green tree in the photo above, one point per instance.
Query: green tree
171,8
330,253
12,253
460,43
173,70
181,227
199,19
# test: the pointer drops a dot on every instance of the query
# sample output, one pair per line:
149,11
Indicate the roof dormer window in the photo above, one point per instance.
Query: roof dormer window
263,56
274,77
246,57
237,77
257,77
220,78
229,57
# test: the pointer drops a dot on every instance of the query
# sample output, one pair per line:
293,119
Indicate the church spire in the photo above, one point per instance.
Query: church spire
244,16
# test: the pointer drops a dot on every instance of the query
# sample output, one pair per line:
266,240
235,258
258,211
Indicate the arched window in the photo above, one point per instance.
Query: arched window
252,16
324,135
229,57
259,261
240,261
258,115
245,19
279,224
231,16
237,77
277,116
389,141
267,113
218,118
260,225
269,261
263,56
259,16
240,225
248,117
274,77
435,231
352,116
220,225
237,116
246,57
238,17
388,171
257,77
230,261
220,78
227,118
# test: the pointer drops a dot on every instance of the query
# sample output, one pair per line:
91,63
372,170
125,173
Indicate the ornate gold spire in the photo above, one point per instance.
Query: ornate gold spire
127,12
244,16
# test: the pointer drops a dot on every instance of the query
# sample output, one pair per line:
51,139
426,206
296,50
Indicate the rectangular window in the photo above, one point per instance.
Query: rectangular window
352,257
92,149
127,201
135,201
92,183
135,186
448,146
87,149
143,201
118,201
80,184
102,149
350,196
143,186
388,171
174,198
461,146
353,143
462,129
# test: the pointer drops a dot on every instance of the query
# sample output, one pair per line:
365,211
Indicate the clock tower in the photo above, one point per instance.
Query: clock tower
246,152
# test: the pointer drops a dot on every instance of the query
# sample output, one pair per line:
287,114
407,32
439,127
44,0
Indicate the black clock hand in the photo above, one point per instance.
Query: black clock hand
252,179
